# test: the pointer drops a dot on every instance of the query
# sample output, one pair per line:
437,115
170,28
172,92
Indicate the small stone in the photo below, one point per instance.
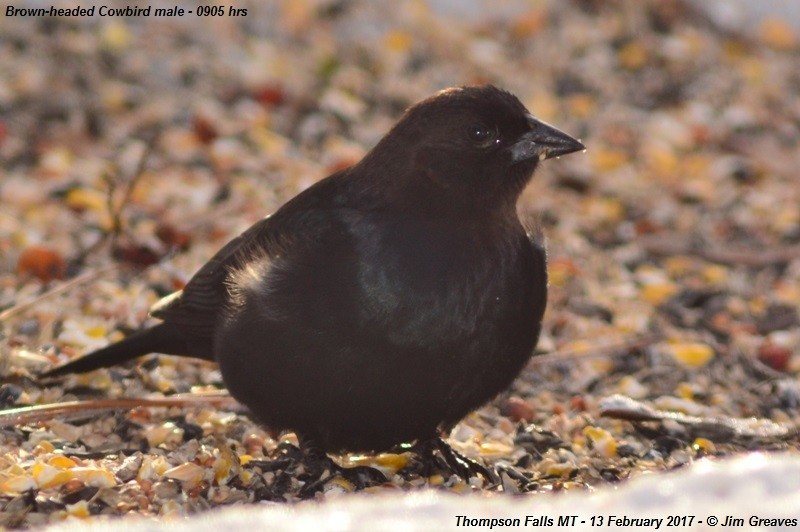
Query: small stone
775,356
190,474
166,490
517,409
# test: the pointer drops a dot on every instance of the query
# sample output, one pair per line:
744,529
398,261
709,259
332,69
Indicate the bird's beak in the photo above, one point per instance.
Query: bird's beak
543,141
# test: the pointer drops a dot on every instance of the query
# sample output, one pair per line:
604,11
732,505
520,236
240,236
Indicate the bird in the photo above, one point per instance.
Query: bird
387,301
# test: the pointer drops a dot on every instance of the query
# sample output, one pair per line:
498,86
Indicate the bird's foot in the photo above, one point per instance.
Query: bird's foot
315,469
450,459
309,464
322,469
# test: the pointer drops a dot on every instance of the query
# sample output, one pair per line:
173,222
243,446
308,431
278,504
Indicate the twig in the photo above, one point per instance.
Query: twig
115,211
604,351
150,144
68,285
718,428
83,409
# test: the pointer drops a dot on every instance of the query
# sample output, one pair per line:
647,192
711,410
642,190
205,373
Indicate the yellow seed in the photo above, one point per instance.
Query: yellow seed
98,331
395,462
17,484
633,56
695,164
223,463
43,447
594,433
97,478
79,509
435,480
343,483
692,354
84,198
461,487
559,469
733,50
788,293
14,470
62,462
607,209
753,70
777,34
657,293
39,468
246,475
757,305
47,476
704,445
607,159
787,218
495,449
602,440
245,459
577,346
715,274
685,391
115,35
561,271
601,365
663,161
268,141
676,266
582,105
398,41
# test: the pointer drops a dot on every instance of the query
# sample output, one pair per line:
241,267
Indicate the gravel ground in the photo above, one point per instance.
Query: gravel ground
133,148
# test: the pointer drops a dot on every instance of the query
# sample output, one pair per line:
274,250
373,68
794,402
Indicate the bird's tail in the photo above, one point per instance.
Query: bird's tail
161,338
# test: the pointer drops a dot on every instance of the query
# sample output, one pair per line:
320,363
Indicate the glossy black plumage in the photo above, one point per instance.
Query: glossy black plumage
390,299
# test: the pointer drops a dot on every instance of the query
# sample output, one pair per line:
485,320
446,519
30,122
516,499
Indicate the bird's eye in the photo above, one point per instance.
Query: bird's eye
481,134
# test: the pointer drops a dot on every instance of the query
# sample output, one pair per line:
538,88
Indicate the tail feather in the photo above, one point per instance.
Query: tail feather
162,338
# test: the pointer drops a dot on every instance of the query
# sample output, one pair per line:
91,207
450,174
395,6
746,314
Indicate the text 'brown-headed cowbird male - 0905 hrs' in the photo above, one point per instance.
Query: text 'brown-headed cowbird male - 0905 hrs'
387,301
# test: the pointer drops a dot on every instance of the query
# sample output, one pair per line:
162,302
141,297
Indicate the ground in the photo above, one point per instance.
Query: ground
133,148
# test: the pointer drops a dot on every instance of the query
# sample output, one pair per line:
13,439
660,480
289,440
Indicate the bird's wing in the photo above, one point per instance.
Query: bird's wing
196,307
304,219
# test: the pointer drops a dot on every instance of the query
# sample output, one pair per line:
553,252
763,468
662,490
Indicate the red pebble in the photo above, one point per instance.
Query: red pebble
205,131
517,409
42,262
135,254
774,356
270,95
577,403
173,237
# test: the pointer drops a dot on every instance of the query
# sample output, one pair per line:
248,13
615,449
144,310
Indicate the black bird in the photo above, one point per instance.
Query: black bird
387,301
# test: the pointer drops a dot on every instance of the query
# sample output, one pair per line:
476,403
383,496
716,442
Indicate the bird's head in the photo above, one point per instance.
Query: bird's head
479,143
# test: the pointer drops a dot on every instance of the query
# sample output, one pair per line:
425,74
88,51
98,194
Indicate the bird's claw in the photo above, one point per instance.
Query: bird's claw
318,469
456,462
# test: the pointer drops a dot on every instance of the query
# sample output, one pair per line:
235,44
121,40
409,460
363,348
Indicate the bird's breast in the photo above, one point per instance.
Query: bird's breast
428,284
